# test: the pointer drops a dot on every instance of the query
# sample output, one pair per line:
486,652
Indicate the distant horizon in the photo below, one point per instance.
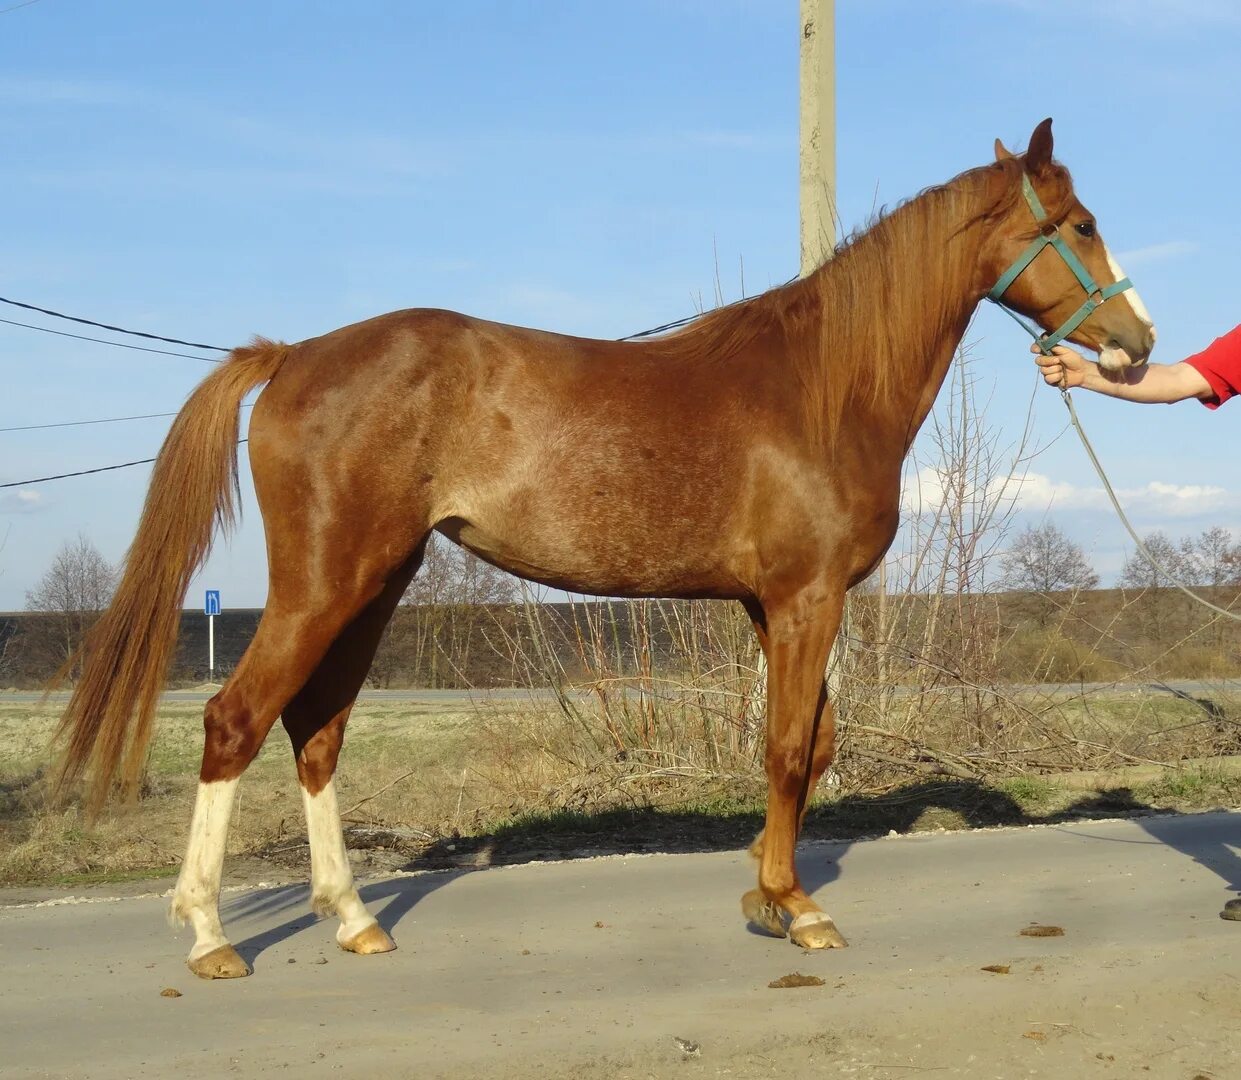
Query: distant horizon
584,598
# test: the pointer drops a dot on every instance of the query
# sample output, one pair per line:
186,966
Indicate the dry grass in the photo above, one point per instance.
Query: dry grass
41,843
550,773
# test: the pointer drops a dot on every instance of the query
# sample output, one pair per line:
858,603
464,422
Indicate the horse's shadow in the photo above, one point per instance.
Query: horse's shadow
402,894
955,803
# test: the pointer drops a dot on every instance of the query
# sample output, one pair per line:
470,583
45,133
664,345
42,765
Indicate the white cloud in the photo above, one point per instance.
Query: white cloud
1035,493
923,491
21,501
929,489
1038,493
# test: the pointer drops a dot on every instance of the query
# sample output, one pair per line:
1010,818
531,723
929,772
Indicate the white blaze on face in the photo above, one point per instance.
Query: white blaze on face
1113,358
1131,295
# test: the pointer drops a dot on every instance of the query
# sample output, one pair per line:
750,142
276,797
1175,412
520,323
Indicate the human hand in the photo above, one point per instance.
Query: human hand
1065,367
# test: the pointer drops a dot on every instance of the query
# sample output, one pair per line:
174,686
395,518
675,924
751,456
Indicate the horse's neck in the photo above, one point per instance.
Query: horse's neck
915,409
936,315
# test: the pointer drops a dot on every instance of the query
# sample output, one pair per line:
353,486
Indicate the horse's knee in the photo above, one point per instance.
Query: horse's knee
786,773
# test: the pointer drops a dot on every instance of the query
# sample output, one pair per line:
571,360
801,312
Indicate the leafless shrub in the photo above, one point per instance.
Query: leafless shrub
651,700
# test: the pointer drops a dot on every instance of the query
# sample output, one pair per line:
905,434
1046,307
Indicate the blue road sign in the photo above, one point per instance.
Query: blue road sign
212,605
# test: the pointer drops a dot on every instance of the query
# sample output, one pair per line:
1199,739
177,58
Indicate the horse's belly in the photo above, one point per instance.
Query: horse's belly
580,556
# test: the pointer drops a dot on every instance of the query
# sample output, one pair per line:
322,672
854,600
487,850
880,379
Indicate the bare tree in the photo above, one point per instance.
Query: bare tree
1043,560
1050,568
1138,573
1211,559
70,597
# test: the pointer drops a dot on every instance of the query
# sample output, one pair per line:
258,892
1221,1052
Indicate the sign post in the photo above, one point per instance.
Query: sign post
212,608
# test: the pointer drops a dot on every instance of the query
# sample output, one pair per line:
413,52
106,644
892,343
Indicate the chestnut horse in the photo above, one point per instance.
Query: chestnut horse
754,456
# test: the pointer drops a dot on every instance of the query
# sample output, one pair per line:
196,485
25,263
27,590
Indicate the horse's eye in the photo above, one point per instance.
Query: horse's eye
1085,228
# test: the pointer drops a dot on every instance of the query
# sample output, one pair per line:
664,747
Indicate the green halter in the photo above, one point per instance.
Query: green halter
1096,296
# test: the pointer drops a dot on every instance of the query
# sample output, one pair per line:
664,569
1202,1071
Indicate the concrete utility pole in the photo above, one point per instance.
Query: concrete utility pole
817,27
818,131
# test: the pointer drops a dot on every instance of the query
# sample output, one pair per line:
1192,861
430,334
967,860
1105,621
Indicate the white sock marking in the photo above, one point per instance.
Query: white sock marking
197,896
331,879
810,918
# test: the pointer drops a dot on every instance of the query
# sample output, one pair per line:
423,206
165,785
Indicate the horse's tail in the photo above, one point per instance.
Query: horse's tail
194,488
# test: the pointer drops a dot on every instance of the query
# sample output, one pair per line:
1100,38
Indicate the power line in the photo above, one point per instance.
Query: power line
83,423
106,420
14,7
660,329
108,326
82,472
115,344
86,472
692,318
196,345
220,348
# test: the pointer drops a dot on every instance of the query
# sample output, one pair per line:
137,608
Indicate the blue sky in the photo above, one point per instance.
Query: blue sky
214,171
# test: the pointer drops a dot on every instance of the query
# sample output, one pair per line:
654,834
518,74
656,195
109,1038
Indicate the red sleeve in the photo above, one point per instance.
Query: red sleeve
1220,364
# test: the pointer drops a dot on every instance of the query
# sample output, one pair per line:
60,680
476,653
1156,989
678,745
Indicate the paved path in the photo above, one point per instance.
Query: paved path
595,968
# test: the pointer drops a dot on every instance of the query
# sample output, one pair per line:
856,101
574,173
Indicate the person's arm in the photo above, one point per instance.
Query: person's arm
1150,384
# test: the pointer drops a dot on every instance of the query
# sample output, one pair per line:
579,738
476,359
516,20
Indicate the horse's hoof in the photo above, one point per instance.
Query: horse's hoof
369,941
221,963
762,913
815,930
1232,910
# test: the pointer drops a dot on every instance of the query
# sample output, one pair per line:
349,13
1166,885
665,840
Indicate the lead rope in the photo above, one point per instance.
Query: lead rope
1067,398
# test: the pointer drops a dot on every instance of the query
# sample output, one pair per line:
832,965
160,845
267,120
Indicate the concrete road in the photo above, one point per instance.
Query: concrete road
640,967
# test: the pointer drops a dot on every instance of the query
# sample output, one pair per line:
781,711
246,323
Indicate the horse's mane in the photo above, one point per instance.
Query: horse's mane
854,329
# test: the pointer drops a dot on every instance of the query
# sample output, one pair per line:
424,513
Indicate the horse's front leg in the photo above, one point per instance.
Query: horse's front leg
796,634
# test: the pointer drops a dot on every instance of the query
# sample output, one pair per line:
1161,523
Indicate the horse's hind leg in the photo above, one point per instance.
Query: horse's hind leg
315,720
293,636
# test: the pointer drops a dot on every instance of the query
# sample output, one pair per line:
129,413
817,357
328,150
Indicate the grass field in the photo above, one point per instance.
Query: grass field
425,785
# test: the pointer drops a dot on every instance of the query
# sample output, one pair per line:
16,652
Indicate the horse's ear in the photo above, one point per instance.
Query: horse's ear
1038,155
1002,152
